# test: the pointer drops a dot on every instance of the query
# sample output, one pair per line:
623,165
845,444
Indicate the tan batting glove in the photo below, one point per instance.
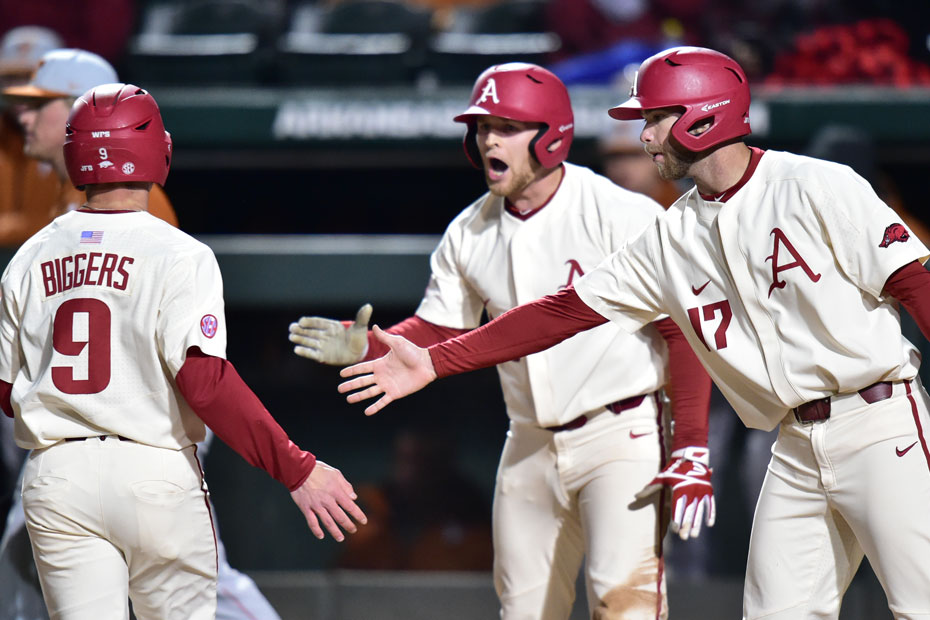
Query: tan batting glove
329,341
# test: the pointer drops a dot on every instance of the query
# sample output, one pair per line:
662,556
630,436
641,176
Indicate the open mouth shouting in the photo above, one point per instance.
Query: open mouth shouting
496,168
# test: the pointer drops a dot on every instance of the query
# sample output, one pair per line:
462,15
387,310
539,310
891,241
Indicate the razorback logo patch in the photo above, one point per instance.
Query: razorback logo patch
895,232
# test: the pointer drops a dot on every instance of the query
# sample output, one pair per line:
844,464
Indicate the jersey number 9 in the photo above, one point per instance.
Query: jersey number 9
82,324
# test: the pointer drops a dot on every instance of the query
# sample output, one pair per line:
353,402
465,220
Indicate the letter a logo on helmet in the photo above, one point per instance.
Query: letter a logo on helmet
490,90
703,83
523,92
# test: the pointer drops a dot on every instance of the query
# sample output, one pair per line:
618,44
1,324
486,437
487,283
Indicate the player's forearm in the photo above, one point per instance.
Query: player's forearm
911,286
416,330
214,390
526,329
688,388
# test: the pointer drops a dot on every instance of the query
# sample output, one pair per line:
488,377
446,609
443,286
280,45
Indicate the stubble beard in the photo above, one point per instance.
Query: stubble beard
677,163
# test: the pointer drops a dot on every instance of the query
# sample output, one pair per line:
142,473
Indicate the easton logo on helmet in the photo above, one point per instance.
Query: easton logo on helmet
711,106
895,232
490,90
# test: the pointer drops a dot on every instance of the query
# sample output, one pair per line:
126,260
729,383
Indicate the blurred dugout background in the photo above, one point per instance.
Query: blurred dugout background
315,151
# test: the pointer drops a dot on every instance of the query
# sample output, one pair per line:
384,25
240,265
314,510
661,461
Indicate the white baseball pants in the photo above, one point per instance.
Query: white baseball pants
110,519
565,495
856,483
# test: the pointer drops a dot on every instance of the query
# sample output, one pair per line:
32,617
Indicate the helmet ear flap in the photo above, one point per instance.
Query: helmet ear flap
537,149
470,144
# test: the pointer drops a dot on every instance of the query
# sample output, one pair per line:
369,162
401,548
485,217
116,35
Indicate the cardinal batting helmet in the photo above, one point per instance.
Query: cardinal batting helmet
706,83
115,135
527,93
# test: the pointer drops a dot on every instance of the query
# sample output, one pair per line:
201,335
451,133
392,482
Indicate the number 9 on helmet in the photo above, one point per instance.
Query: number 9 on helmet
115,134
522,92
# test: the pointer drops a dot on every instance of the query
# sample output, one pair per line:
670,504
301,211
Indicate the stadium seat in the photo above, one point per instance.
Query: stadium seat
510,30
354,42
204,42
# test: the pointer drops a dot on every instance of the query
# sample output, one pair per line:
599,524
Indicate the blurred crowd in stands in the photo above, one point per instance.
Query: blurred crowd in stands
778,42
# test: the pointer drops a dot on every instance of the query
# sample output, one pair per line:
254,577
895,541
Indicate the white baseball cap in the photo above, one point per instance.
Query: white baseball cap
65,73
22,47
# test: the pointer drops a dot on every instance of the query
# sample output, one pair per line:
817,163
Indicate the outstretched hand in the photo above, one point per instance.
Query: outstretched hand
325,497
404,370
329,341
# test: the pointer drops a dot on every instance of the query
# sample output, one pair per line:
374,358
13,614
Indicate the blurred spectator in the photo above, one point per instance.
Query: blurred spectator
43,106
100,26
427,515
28,188
624,162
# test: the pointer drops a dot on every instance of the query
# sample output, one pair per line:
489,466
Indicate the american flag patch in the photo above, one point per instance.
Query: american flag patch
91,236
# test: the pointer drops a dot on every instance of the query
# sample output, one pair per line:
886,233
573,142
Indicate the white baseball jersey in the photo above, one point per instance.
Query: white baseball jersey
778,290
490,258
98,312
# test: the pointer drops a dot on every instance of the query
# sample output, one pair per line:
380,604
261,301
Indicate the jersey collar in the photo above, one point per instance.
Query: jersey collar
508,206
754,157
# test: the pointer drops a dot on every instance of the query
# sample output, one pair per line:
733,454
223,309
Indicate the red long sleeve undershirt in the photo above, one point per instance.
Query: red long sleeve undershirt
545,322
688,388
910,285
416,330
220,397
689,384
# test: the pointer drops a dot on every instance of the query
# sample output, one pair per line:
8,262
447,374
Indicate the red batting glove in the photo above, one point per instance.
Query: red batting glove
688,475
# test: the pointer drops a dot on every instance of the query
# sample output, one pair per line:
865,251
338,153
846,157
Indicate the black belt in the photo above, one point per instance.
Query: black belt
616,407
100,437
817,410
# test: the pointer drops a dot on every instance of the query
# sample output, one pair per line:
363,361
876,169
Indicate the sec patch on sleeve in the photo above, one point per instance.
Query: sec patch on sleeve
208,325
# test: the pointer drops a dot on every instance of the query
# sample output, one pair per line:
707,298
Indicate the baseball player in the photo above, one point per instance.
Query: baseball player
112,358
584,433
30,194
785,273
44,103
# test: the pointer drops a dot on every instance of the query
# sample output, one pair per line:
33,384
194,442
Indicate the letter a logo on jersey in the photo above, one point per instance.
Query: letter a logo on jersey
574,268
781,239
489,90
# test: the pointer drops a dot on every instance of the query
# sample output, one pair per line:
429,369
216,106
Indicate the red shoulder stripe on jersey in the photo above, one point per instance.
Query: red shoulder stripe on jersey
220,397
